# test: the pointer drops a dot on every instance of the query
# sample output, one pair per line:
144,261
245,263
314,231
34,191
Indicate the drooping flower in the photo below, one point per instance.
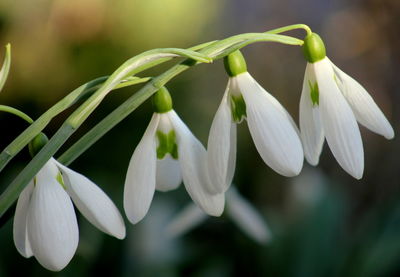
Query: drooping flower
45,224
238,209
167,154
331,104
271,127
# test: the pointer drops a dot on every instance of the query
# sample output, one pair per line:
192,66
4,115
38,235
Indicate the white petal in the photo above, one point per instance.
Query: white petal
190,217
221,150
52,226
193,162
271,128
140,179
312,134
364,107
247,218
340,125
20,233
93,203
232,156
168,174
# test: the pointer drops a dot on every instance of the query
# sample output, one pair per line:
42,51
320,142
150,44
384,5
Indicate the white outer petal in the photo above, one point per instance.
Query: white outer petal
271,128
93,203
168,174
246,217
52,226
221,149
190,217
193,159
20,232
340,126
311,131
364,107
232,156
140,179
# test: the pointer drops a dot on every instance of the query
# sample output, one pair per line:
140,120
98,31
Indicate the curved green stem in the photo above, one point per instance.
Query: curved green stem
16,112
124,71
217,50
290,28
213,50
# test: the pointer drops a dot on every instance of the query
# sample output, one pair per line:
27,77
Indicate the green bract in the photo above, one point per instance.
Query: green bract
235,64
162,101
167,145
313,48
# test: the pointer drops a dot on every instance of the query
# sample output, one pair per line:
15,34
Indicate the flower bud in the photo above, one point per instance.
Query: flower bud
313,48
235,64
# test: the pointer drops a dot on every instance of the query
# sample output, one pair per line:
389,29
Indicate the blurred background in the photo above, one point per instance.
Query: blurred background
323,222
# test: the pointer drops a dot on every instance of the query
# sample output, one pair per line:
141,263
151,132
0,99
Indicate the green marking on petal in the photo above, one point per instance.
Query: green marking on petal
60,179
337,81
238,108
314,93
167,144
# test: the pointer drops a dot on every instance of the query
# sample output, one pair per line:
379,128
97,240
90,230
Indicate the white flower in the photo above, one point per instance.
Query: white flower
238,209
45,224
330,106
272,129
167,153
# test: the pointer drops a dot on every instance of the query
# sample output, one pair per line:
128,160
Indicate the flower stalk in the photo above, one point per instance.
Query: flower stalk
14,111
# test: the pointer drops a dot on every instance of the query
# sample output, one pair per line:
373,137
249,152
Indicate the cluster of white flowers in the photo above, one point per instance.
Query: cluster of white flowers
331,102
168,154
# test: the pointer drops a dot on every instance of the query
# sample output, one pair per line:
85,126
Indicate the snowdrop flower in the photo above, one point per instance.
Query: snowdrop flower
167,154
45,224
238,209
331,104
271,127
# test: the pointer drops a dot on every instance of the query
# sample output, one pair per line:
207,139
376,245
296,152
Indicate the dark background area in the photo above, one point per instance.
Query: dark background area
324,222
